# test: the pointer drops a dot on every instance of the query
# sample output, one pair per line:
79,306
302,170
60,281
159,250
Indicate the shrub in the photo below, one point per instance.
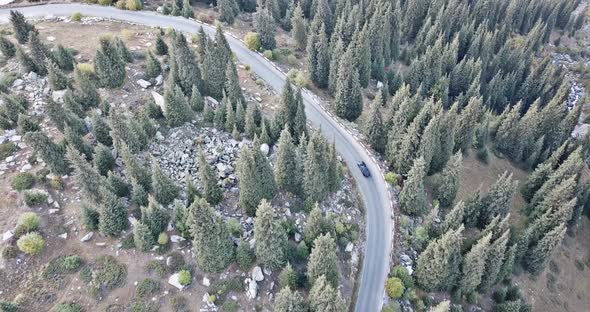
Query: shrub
176,261
31,243
56,183
252,41
298,77
86,68
121,4
62,265
268,54
483,155
157,267
147,287
234,227
9,252
77,16
230,306
162,239
395,288
7,149
105,2
179,303
244,256
184,277
205,18
35,197
72,263
391,178
90,218
107,273
22,181
134,5
292,60
392,307
68,307
223,287
6,306
402,273
28,222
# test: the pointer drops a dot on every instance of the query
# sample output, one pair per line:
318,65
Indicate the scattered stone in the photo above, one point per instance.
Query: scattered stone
257,274
297,237
264,149
17,83
7,236
349,247
267,271
87,237
252,289
53,211
58,96
174,281
206,281
159,99
159,80
64,235
144,83
177,239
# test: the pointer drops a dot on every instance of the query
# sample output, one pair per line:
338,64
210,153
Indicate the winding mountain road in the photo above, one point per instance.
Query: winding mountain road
374,190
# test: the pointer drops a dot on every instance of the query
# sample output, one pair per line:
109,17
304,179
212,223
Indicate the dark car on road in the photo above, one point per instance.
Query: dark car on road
364,170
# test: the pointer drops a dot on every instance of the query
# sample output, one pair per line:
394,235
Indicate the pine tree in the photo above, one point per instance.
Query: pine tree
178,110
212,193
155,217
227,12
537,258
113,214
232,86
165,191
139,195
142,237
103,159
64,58
299,28
85,91
220,114
85,175
287,175
498,200
288,277
536,180
20,26
153,68
240,118
348,101
39,52
57,79
495,255
161,46
466,125
135,170
323,297
271,238
109,64
197,103
454,219
265,26
256,178
187,9
300,123
25,60
289,301
124,52
315,169
101,130
250,127
212,245
323,261
52,154
438,264
374,129
448,181
27,124
507,263
509,133
7,47
320,71
184,68
412,197
316,225
474,265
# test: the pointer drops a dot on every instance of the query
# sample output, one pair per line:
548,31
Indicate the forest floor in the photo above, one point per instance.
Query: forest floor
22,276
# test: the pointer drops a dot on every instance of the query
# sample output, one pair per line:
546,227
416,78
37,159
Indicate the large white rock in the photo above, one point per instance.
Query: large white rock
7,235
144,83
206,281
252,289
257,274
87,237
177,239
174,281
264,149
159,99
58,96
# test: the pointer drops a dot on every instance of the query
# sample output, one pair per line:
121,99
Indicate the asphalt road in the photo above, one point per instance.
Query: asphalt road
374,189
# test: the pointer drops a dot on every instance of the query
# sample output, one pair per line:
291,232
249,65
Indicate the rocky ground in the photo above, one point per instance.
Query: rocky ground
175,150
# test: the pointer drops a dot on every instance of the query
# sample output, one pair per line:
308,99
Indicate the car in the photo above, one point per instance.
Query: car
364,170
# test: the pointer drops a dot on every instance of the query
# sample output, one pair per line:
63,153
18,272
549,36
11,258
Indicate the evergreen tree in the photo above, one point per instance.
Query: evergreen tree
250,127
57,79
64,58
474,265
537,258
285,115
287,174
109,64
85,175
211,240
139,195
323,297
271,238
85,91
289,301
536,180
412,198
197,102
25,60
7,47
100,130
498,200
315,169
300,123
232,86
20,26
39,52
299,28
256,178
124,52
187,9
227,11
113,214
240,118
448,181
212,193
509,133
165,191
333,169
288,277
320,70
508,263
323,261
184,68
103,159
316,225
155,217
161,46
220,114
454,219
135,170
466,122
348,101
438,264
27,124
374,128
495,255
178,110
265,26
153,68
143,237
52,154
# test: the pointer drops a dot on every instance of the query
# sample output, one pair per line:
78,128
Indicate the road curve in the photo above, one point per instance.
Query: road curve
374,190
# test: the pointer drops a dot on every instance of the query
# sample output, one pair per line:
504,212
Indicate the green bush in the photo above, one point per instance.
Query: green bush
402,273
147,287
176,261
244,256
61,265
268,54
230,306
6,306
35,197
252,41
68,307
28,222
392,307
7,149
391,178
71,263
133,5
77,16
394,287
234,227
179,304
156,266
298,78
22,181
105,2
31,243
292,60
223,287
163,239
9,252
107,274
184,277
